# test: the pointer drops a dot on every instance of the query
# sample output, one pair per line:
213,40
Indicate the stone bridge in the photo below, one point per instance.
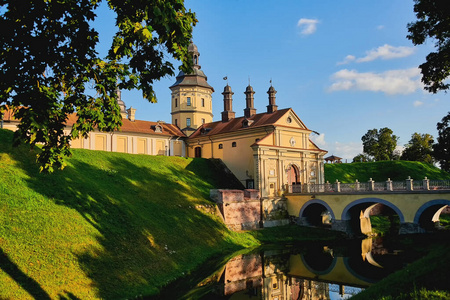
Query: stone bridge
348,208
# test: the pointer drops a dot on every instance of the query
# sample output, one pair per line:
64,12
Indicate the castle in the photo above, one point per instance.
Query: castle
269,151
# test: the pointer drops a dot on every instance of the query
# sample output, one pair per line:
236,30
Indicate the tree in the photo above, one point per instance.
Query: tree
433,21
380,144
362,158
442,147
419,148
49,64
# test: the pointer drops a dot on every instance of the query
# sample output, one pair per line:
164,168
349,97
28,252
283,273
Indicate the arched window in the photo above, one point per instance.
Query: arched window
233,144
195,60
188,122
188,101
176,102
203,102
220,146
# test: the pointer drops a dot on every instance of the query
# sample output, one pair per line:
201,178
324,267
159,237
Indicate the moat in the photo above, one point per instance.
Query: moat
313,270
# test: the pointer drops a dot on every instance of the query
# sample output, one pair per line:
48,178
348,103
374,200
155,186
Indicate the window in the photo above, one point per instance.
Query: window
203,102
176,102
203,121
220,146
233,144
188,122
188,101
176,122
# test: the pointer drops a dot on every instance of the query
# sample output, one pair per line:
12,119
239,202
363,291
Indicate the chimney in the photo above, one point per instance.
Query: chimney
228,112
249,110
131,113
271,107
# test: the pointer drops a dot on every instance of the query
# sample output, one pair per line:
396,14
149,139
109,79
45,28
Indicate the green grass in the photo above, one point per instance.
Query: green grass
294,233
382,170
108,226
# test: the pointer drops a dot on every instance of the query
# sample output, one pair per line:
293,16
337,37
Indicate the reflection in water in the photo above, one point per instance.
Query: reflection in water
315,272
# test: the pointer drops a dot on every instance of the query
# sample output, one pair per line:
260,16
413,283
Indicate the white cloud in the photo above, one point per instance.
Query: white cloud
391,82
417,103
387,52
345,150
347,59
319,140
384,52
380,27
307,26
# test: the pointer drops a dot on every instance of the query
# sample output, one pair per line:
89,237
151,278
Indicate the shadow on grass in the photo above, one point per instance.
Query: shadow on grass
27,283
150,228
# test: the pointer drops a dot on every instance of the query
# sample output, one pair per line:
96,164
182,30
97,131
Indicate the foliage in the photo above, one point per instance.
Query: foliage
381,171
442,147
362,158
110,226
380,144
419,148
433,21
49,63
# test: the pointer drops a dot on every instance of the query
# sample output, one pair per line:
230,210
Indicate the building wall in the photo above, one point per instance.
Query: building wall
132,143
196,111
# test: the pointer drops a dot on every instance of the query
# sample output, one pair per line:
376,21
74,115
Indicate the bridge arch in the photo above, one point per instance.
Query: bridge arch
346,212
321,266
313,211
429,213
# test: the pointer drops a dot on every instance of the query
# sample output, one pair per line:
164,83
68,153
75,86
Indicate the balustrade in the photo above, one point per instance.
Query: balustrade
371,186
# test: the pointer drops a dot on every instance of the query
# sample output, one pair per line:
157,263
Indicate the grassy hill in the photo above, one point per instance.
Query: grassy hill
110,225
381,171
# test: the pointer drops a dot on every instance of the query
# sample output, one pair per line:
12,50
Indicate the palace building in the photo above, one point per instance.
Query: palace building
268,151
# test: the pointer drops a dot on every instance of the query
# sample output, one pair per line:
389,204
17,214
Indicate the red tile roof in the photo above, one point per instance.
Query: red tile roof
259,120
139,126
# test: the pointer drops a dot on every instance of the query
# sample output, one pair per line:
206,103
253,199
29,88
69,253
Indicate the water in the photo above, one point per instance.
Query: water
306,271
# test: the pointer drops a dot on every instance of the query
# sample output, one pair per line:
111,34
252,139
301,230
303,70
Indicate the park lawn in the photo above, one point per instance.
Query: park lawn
380,171
109,225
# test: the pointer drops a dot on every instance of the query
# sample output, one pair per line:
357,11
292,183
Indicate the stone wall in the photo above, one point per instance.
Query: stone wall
241,210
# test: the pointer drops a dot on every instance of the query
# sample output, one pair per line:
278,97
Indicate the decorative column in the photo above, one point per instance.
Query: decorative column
371,185
426,184
389,185
409,184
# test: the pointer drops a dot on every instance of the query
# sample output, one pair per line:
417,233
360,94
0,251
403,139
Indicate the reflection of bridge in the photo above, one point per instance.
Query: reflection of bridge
310,275
348,207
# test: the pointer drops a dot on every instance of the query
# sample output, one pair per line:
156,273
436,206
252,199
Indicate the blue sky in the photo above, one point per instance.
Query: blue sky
344,66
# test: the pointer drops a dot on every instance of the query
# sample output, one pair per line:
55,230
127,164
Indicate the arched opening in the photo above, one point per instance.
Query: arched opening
293,179
430,217
316,215
373,216
198,152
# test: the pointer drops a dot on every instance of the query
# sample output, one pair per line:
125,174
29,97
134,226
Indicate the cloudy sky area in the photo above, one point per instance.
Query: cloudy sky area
344,66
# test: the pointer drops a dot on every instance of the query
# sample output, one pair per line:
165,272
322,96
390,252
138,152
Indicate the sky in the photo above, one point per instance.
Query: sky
345,67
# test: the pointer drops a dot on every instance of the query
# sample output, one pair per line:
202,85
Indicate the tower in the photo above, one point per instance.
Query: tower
191,97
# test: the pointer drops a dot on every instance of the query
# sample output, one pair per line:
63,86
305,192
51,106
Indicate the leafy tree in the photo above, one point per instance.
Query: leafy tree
419,148
49,64
362,158
380,144
442,147
433,21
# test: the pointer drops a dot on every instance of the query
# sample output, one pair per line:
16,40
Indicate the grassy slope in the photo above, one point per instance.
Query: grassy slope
110,225
381,171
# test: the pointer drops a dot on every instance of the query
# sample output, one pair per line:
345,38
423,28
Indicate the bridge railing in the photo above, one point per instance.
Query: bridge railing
371,186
